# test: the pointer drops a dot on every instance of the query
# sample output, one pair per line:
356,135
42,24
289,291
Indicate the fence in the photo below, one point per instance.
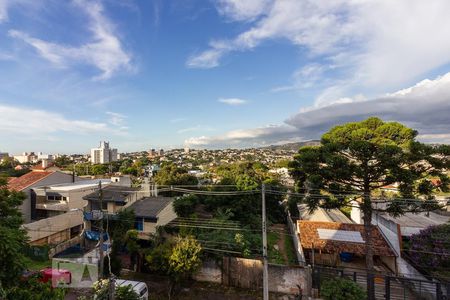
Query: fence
248,273
386,286
298,247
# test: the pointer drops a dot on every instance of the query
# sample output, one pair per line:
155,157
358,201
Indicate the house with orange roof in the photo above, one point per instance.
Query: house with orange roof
343,245
38,177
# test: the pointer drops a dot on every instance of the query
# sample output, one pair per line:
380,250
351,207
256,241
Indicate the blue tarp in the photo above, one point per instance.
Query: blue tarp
95,235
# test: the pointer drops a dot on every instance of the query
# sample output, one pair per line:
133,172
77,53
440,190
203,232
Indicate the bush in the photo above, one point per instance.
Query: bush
341,289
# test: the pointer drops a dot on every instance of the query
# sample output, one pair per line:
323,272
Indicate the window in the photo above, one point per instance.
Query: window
104,205
52,197
139,225
65,198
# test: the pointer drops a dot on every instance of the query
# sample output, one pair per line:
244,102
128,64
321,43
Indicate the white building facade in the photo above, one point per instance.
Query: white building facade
104,154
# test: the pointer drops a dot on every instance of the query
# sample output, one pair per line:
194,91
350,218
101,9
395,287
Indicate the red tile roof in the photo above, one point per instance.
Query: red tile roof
309,237
24,181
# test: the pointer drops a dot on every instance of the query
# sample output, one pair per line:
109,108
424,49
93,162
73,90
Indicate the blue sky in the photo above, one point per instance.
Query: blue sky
224,73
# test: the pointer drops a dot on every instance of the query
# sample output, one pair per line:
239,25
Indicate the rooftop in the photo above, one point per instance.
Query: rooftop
330,237
323,215
26,180
150,207
112,193
82,184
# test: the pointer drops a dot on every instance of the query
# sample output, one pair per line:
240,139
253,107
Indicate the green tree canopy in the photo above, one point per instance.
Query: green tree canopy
12,237
360,157
170,174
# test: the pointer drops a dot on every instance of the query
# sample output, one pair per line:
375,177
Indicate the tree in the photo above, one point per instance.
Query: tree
424,245
33,289
184,206
63,161
185,260
341,289
170,174
359,158
12,237
120,293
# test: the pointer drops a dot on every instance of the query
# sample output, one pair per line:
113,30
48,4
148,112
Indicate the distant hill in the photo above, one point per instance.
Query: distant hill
293,146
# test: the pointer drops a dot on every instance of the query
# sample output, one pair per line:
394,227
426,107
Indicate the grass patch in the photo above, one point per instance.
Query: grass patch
274,255
290,250
36,265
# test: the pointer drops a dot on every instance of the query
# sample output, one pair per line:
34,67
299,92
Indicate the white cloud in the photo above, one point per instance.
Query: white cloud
238,10
424,107
104,50
233,101
195,128
4,10
116,118
363,40
35,122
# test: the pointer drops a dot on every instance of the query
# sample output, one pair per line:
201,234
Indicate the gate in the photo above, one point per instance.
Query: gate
387,287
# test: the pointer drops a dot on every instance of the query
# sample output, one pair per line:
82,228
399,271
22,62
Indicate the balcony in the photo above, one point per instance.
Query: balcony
53,205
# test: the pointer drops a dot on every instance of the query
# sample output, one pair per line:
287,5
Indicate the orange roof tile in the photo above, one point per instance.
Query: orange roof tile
309,238
24,181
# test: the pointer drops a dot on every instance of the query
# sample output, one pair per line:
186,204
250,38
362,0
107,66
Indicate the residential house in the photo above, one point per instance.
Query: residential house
56,199
114,198
321,214
152,212
344,245
36,178
59,232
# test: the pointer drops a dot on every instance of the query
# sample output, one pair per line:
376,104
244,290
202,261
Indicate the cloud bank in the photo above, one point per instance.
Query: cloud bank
35,122
424,107
104,50
367,44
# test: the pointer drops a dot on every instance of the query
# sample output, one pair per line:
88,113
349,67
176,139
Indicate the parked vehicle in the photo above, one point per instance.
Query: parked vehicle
56,276
139,287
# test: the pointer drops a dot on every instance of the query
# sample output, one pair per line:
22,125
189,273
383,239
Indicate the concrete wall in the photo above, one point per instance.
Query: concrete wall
55,178
297,245
248,273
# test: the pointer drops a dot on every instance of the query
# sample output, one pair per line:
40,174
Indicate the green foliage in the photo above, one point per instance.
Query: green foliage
63,161
170,174
184,206
292,207
99,169
126,293
119,229
423,246
185,260
341,289
33,289
12,237
121,292
179,260
361,157
158,258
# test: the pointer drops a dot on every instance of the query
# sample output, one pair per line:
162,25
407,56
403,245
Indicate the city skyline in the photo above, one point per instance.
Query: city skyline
216,74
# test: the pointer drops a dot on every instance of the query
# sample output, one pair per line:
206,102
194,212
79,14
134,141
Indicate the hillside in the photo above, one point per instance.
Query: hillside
293,146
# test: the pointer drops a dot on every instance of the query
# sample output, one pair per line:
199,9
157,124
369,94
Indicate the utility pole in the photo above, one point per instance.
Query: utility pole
112,287
100,197
264,232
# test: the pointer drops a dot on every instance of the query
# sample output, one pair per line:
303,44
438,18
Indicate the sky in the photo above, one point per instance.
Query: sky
217,73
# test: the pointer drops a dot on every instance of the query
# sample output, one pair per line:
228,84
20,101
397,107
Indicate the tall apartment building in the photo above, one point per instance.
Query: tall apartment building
103,154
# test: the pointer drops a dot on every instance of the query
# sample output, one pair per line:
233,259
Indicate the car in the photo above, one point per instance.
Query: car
138,286
56,276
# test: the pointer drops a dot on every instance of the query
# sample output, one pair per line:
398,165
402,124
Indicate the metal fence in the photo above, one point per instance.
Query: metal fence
386,286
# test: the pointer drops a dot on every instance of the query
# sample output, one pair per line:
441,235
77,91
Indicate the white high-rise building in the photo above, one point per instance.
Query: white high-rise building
103,154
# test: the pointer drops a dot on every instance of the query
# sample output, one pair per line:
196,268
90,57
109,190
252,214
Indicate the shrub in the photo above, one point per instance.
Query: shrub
341,289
